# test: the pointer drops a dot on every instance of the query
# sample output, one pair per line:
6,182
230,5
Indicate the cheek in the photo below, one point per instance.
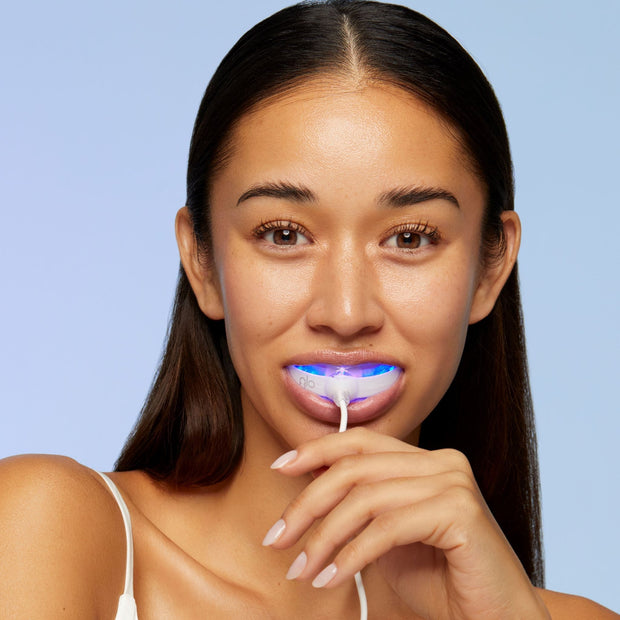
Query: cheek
261,305
261,301
431,319
431,308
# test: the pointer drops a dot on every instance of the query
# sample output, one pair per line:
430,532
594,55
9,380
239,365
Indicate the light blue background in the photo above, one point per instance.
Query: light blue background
97,104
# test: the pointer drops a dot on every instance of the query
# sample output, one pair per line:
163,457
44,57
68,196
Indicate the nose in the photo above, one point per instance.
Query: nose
346,295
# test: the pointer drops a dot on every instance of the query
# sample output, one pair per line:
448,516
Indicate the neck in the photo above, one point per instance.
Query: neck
257,495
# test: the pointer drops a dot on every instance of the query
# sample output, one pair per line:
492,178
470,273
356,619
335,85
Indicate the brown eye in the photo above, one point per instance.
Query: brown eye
412,237
285,236
408,239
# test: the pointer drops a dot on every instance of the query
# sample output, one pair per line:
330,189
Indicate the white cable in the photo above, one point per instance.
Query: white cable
361,592
344,416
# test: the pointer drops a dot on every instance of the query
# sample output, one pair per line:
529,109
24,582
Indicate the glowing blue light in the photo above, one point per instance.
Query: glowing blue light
379,369
357,370
313,370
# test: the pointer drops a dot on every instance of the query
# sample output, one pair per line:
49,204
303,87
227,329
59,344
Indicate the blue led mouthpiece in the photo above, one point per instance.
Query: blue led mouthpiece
347,383
359,370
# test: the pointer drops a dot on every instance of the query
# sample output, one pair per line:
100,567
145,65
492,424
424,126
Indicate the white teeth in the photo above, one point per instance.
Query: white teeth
353,387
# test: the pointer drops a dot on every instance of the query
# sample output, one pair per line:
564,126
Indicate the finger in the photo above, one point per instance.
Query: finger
321,453
325,493
439,521
324,451
359,508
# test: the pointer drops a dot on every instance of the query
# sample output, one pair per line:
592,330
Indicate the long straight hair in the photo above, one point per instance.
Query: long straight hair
190,431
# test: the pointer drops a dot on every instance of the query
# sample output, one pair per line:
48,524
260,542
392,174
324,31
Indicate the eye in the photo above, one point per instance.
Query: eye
412,237
409,240
285,236
282,234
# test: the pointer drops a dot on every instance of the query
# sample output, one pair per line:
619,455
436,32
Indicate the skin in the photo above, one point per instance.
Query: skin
343,287
413,520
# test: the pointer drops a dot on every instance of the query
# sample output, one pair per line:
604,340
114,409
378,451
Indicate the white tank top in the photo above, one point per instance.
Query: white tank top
126,603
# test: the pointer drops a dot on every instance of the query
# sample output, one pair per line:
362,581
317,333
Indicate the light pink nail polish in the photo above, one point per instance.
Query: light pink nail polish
285,459
325,576
275,531
297,567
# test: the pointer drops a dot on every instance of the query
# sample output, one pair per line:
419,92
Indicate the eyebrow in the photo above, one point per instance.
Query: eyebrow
400,197
408,196
286,191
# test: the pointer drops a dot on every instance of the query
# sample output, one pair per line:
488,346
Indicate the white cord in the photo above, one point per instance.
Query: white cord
344,416
361,592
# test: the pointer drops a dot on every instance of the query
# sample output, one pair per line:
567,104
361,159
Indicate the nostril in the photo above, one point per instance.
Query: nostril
344,300
344,317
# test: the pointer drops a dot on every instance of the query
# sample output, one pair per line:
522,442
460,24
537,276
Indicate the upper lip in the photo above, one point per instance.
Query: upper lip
342,358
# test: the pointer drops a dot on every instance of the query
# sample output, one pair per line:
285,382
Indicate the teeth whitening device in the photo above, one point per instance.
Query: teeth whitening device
342,385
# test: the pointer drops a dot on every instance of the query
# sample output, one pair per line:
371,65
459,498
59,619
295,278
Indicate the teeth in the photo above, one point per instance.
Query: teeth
357,381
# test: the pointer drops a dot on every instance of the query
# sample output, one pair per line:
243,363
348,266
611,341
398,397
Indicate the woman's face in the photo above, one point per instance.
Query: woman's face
346,229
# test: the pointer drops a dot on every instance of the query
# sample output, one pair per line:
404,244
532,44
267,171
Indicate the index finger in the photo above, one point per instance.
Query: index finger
325,451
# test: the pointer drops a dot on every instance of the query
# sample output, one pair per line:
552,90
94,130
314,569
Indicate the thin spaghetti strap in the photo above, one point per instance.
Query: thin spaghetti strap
126,604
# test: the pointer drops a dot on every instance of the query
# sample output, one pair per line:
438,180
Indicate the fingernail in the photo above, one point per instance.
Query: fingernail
325,576
285,459
297,566
275,531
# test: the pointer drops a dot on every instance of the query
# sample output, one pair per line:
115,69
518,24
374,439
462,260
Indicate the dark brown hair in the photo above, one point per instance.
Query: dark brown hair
190,431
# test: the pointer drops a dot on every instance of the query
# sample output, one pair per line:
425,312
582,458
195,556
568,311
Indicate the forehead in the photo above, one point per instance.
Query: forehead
337,131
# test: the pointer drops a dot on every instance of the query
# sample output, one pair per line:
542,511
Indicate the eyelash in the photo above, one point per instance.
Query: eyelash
266,227
419,228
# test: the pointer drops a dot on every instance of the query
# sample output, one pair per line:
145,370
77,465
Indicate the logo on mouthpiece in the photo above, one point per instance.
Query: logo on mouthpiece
345,382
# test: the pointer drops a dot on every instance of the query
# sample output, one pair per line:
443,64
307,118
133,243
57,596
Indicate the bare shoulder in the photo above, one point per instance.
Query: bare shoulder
572,607
62,546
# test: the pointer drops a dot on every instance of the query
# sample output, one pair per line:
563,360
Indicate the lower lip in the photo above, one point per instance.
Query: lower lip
358,412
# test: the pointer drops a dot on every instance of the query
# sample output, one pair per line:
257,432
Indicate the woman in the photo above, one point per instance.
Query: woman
349,202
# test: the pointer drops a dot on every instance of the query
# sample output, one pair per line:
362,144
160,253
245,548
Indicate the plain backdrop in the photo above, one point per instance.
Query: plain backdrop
97,102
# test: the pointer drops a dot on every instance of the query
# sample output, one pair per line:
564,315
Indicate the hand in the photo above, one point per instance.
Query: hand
418,514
